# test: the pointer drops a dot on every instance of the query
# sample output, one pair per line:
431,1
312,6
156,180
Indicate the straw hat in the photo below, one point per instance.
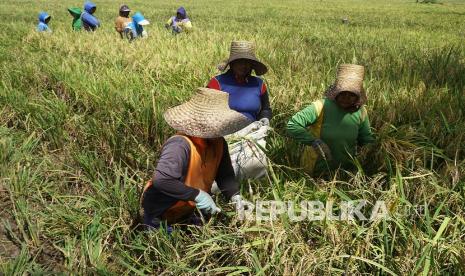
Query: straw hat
244,50
206,115
349,77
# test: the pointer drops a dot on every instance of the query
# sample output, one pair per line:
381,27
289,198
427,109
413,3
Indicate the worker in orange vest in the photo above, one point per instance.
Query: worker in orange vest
192,159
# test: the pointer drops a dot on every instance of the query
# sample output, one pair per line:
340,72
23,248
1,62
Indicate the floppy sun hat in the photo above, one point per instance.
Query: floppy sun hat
206,115
140,19
349,77
244,50
144,22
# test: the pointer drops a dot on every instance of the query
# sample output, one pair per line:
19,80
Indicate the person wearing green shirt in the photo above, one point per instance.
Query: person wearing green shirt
332,128
76,14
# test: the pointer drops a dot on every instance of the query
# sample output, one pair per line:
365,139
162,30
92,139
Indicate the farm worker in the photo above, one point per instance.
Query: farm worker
122,20
135,28
248,95
180,22
76,14
89,21
332,128
44,18
192,159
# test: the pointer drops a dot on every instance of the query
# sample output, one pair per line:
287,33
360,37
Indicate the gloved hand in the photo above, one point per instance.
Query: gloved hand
205,203
240,202
265,121
322,149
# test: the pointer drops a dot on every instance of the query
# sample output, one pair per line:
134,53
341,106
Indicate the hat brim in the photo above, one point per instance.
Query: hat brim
333,92
257,66
206,119
144,22
125,10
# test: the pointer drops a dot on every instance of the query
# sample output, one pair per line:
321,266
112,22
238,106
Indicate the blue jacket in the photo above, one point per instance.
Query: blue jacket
42,26
89,22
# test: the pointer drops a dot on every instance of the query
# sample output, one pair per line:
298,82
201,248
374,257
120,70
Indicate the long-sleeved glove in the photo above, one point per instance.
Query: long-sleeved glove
205,203
322,149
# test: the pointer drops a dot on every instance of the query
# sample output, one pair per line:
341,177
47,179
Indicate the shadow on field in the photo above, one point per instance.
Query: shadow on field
9,248
15,248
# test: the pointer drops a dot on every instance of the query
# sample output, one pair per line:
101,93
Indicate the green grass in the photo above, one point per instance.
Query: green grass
81,126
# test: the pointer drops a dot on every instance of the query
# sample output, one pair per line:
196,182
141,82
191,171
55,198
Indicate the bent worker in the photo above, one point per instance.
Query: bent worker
192,159
180,22
44,19
76,14
89,21
122,20
135,29
248,94
332,128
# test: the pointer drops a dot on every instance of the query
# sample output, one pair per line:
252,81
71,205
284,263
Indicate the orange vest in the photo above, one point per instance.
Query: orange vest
204,160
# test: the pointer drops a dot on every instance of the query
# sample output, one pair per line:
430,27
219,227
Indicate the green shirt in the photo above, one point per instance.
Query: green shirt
342,131
76,14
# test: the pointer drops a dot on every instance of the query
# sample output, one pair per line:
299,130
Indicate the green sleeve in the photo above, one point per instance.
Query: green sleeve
297,125
364,133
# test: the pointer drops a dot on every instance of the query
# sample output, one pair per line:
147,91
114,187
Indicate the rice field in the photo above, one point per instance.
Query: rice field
81,127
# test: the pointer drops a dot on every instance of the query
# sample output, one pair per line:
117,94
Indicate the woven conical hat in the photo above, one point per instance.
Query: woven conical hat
206,115
244,50
349,77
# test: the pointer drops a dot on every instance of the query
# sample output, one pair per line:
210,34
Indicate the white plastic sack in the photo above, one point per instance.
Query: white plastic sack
246,151
247,157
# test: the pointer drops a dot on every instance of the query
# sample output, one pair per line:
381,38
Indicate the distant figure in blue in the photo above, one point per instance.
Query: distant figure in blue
44,18
135,29
89,21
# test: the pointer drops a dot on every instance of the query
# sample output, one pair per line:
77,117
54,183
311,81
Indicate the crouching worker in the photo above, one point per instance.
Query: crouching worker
332,128
44,18
135,29
180,22
191,160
